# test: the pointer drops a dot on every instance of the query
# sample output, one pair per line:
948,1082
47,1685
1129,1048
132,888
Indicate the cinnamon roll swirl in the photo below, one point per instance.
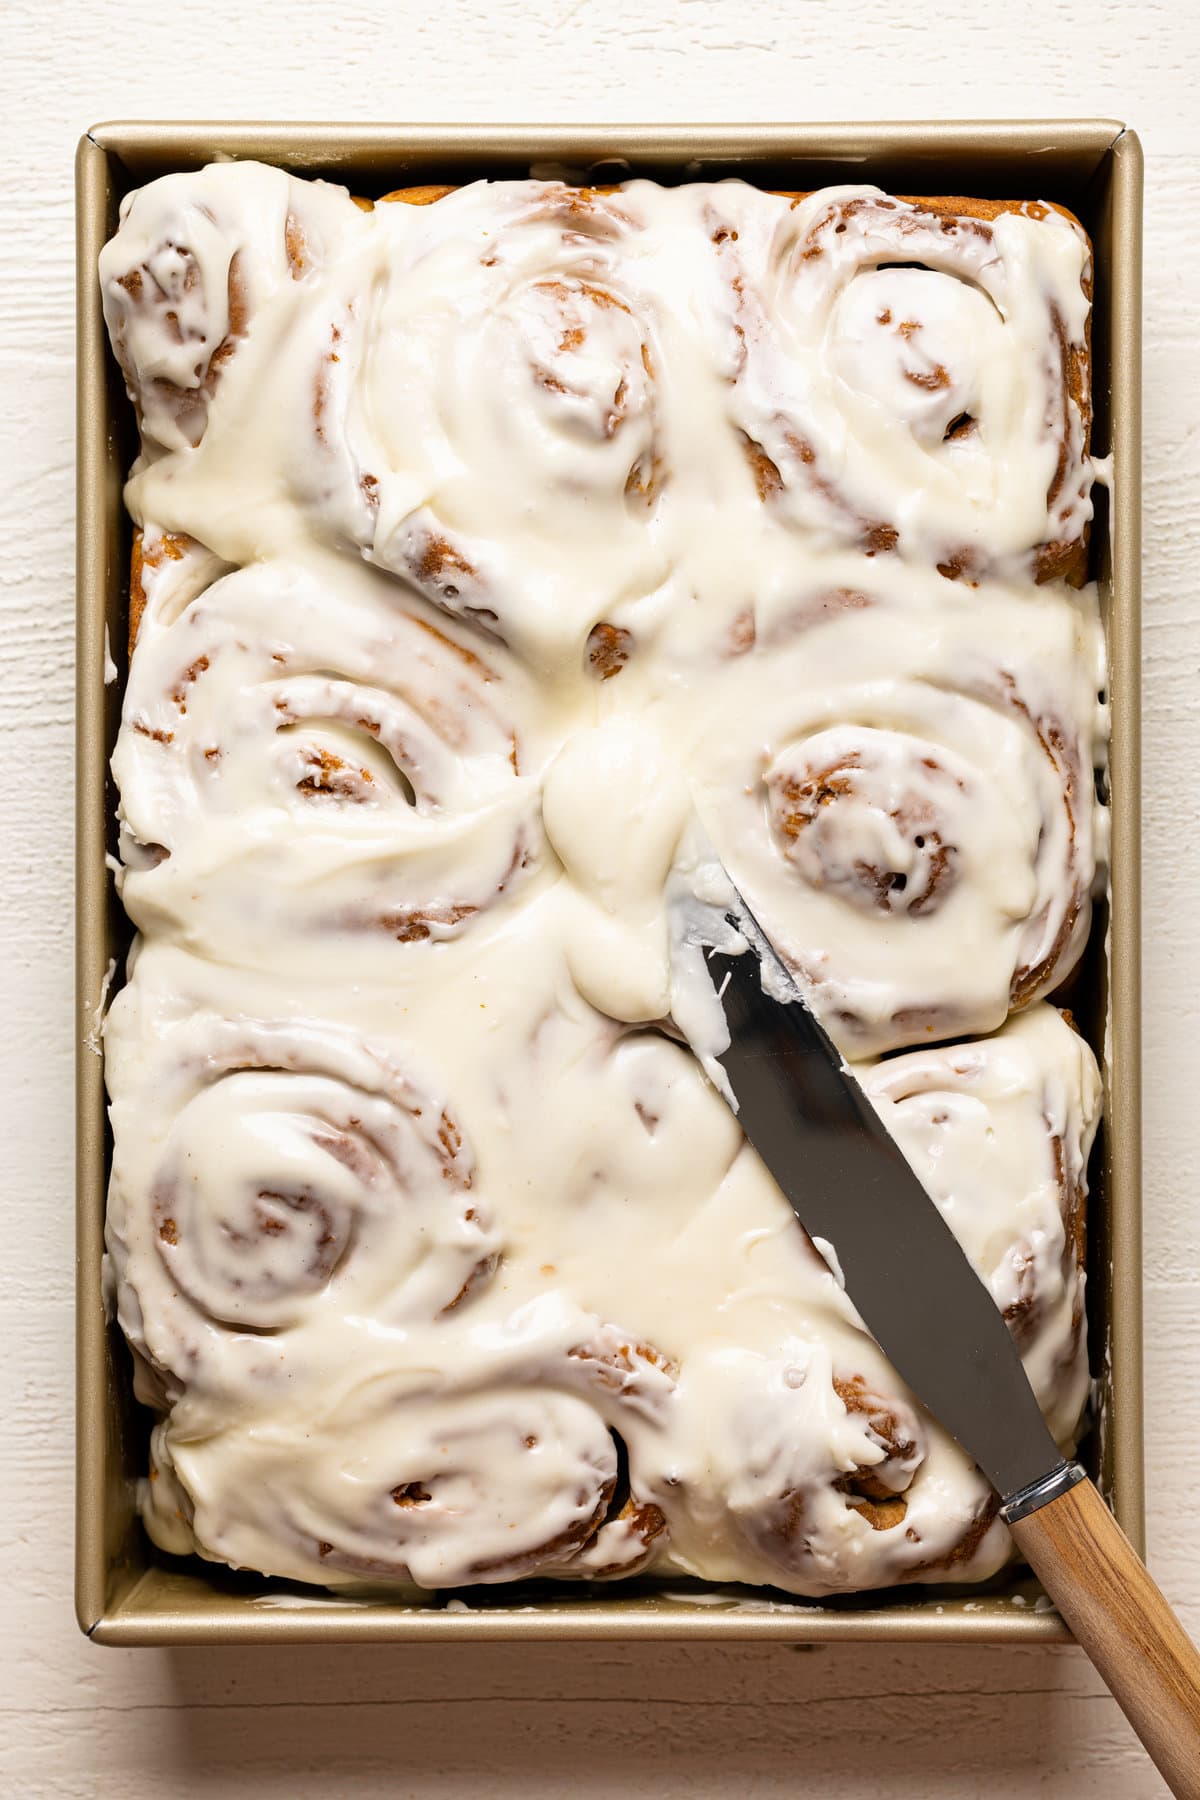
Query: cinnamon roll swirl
283,695
194,261
492,1454
905,795
493,1487
428,1491
504,371
299,1174
909,376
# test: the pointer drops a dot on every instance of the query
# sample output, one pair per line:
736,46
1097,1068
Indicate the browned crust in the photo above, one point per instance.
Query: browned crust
137,591
609,648
417,196
866,1484
170,547
966,206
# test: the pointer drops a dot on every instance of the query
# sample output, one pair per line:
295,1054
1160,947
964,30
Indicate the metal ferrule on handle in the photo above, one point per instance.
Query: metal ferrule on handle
1039,1493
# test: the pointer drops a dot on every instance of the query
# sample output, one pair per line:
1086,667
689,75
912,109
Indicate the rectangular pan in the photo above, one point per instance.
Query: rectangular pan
125,1592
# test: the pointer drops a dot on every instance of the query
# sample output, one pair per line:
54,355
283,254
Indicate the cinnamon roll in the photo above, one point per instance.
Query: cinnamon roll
999,1132
905,795
434,1491
493,1487
195,259
911,376
287,697
819,1473
820,1480
298,1173
503,371
480,1452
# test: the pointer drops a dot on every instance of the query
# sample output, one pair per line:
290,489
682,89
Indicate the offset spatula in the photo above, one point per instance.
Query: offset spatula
847,1181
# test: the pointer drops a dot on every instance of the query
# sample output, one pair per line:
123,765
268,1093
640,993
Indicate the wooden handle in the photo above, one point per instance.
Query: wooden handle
1105,1593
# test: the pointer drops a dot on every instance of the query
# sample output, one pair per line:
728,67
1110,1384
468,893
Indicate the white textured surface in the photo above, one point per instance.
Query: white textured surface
834,1723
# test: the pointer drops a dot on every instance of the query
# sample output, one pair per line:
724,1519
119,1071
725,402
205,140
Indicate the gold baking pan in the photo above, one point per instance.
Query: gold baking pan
126,1592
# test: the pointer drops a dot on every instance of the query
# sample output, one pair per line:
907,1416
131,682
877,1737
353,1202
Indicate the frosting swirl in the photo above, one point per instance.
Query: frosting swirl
280,694
907,803
505,355
905,377
299,1173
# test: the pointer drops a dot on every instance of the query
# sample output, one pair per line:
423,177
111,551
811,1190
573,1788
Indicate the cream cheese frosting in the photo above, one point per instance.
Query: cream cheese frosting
499,555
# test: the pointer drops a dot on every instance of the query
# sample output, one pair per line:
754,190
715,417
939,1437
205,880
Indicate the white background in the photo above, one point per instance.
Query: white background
854,1722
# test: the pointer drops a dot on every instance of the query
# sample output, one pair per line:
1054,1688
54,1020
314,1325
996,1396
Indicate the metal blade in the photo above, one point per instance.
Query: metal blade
847,1181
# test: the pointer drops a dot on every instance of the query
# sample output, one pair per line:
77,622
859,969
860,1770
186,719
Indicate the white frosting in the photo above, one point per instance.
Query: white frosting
928,404
999,1131
310,762
614,807
466,629
903,790
197,259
